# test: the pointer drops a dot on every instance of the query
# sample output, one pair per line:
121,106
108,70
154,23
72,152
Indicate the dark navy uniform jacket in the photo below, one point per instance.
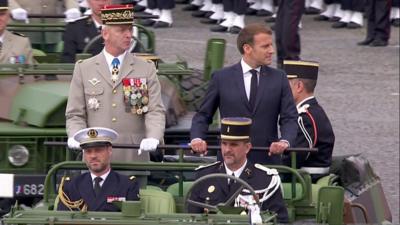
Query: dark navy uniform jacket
77,34
274,104
115,186
220,192
321,137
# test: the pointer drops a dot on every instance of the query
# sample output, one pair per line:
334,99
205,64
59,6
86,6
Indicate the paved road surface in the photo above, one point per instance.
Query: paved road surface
358,86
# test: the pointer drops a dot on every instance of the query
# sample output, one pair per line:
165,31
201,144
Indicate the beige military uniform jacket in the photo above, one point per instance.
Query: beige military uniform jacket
43,6
92,80
13,47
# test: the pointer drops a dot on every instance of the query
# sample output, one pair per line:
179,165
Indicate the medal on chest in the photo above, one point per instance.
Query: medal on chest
136,95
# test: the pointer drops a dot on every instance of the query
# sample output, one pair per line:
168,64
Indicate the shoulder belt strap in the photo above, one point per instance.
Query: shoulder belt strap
301,110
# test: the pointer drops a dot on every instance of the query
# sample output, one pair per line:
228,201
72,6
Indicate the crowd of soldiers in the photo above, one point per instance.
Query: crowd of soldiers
230,14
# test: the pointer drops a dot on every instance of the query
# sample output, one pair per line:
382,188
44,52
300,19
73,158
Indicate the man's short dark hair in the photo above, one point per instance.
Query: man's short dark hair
309,85
246,35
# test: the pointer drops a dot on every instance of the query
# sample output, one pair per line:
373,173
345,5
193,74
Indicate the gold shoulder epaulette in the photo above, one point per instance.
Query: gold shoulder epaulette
208,165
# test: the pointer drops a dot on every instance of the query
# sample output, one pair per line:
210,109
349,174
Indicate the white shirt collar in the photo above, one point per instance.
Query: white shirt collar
304,100
97,24
246,68
109,58
238,172
2,37
104,176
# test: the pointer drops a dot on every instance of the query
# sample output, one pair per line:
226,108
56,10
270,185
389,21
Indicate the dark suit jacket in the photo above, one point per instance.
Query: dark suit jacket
76,36
256,178
322,137
274,104
115,185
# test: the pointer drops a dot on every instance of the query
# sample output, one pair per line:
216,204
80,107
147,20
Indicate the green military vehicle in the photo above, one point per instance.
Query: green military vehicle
340,198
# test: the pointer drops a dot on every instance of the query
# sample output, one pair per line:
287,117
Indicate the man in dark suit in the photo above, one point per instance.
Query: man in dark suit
235,144
315,129
97,189
251,89
78,33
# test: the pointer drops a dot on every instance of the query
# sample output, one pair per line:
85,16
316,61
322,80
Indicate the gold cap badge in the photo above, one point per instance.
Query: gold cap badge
92,133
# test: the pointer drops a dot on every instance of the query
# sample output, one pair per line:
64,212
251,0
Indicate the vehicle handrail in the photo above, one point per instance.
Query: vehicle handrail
187,147
37,69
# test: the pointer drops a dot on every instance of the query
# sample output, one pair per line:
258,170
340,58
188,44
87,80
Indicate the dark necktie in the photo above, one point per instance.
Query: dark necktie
231,182
253,88
97,187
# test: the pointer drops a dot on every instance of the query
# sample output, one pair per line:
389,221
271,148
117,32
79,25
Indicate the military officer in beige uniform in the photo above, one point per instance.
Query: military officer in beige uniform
21,8
117,90
14,48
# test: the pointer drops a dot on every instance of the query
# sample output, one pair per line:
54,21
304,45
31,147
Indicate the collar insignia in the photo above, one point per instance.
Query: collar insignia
248,171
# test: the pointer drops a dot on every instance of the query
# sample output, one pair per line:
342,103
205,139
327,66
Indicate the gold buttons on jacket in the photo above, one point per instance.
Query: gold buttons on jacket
114,119
114,91
114,105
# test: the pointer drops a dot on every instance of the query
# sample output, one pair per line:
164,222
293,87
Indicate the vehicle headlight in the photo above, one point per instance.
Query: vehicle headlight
18,155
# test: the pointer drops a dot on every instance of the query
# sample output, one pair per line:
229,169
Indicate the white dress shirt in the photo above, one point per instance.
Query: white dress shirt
104,176
238,172
109,59
247,76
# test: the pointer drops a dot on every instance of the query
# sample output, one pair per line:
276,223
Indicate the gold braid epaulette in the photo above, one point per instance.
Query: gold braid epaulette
71,205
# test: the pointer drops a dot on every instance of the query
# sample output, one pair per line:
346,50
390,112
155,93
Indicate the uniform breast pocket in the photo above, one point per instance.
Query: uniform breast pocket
94,91
93,97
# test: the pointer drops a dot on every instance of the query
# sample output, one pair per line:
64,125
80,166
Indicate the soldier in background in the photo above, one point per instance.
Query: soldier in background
378,26
20,8
14,48
48,42
162,9
395,13
79,32
315,129
287,37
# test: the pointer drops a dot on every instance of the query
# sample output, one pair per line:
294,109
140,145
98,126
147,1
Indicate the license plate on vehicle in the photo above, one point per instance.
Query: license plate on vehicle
28,185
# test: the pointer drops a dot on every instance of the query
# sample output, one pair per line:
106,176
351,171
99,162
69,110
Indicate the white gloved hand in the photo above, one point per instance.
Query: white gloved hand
73,144
88,12
72,14
83,3
19,14
148,144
